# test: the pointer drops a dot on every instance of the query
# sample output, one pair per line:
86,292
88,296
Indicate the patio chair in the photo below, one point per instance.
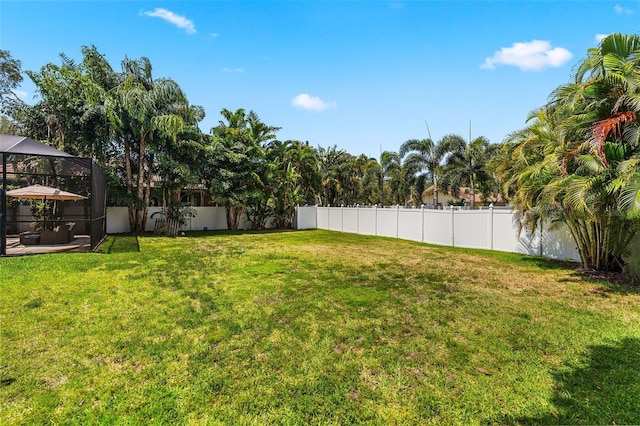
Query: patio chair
59,235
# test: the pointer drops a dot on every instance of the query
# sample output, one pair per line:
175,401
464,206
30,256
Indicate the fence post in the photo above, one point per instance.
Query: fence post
397,219
491,225
375,220
329,217
453,241
341,217
357,218
317,211
422,222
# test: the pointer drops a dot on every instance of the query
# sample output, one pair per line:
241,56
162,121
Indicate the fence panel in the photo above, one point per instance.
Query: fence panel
387,222
151,222
306,217
471,228
437,227
335,219
323,217
505,233
117,220
350,219
206,217
410,224
558,244
367,218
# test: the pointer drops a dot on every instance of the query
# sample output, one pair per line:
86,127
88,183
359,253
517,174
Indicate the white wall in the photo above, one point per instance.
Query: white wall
213,218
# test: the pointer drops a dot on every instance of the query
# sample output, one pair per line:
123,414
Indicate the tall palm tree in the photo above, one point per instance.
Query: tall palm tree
143,112
465,163
425,156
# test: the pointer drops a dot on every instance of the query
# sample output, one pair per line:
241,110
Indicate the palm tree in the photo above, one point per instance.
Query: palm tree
425,156
578,162
465,163
238,172
390,167
144,112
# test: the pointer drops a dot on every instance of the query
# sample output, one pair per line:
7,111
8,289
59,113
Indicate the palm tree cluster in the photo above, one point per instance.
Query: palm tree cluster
144,133
578,160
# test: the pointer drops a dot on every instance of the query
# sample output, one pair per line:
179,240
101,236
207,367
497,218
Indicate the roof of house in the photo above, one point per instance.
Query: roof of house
463,194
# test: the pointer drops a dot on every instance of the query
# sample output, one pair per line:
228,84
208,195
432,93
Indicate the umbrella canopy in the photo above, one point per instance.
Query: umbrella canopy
40,192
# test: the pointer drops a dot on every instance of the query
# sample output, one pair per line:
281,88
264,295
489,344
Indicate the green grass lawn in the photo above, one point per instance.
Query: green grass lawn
312,327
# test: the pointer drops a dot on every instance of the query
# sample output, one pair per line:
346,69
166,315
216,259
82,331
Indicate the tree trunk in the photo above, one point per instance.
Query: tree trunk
140,189
230,213
127,164
147,191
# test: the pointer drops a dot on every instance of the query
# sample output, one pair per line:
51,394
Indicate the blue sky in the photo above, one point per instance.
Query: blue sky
362,75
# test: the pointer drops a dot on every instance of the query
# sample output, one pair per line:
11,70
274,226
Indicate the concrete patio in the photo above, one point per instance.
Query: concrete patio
81,243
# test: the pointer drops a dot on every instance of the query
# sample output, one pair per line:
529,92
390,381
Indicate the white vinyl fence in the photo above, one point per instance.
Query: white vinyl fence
488,228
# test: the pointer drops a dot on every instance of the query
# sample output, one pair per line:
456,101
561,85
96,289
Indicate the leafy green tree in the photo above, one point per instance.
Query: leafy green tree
180,162
238,174
390,172
10,79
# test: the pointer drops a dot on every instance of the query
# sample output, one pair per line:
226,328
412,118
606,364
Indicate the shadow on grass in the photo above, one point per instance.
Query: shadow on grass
604,389
613,282
544,263
120,244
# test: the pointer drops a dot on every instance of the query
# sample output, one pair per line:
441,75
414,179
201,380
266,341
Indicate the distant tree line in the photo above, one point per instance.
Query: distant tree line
577,162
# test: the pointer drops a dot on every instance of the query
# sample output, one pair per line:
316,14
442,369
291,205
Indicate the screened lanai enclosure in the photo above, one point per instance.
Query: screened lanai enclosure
50,200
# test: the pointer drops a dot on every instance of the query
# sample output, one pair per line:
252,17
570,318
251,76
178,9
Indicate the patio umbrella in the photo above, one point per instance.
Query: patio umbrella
40,192
44,193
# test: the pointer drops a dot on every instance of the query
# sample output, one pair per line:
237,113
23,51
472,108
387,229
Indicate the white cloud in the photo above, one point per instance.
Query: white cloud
177,20
529,56
20,94
600,37
233,69
213,35
305,101
622,11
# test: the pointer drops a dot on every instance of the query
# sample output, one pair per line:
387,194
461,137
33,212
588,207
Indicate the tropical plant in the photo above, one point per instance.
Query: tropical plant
465,164
10,79
144,114
578,161
424,156
237,172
